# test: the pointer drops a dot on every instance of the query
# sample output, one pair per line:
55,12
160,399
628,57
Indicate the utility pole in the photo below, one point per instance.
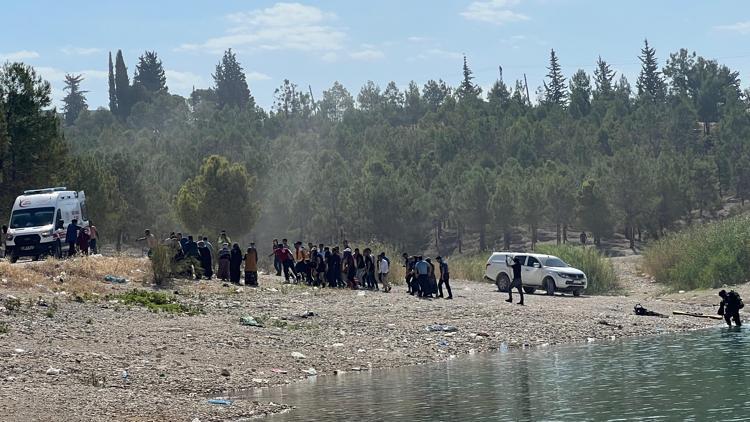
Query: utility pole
500,69
312,98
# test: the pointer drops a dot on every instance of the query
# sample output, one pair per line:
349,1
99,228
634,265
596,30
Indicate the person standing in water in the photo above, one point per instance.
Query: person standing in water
517,283
730,306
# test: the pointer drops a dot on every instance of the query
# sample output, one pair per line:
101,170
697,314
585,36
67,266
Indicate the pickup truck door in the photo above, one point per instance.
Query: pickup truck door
533,272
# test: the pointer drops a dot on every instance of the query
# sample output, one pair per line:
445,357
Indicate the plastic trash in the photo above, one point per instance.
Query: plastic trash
250,321
113,279
222,402
443,328
298,355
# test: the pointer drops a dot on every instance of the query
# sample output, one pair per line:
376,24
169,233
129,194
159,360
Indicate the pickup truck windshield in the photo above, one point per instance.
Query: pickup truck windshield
32,217
555,262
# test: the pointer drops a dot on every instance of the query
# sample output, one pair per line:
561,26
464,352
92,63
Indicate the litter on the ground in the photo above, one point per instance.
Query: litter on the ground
113,279
442,328
697,314
222,402
250,321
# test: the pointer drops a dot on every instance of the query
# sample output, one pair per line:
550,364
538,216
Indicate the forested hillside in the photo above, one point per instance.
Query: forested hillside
400,165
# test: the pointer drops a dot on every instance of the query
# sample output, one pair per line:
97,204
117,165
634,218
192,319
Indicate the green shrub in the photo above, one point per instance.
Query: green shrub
164,265
703,256
158,302
468,267
598,268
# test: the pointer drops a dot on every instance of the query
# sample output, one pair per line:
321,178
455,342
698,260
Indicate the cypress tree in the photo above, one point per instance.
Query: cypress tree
149,73
122,87
74,102
555,92
650,83
112,91
230,83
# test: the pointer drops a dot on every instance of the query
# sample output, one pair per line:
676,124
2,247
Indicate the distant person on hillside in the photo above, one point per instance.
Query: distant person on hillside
359,261
370,279
444,278
730,306
93,237
276,261
287,261
584,238
301,261
422,271
224,255
517,283
223,238
251,266
71,237
183,241
235,264
210,248
83,241
150,240
384,266
350,268
206,260
334,269
2,241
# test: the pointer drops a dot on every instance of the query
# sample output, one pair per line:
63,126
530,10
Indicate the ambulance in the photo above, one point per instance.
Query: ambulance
39,221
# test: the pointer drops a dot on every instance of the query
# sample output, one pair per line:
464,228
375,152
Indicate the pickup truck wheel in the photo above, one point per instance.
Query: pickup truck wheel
549,286
503,282
529,290
577,292
13,259
35,258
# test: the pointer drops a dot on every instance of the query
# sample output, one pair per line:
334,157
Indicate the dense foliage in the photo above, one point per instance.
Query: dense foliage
703,256
424,165
599,270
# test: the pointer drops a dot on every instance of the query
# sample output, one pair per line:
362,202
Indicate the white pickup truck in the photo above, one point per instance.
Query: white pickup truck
538,272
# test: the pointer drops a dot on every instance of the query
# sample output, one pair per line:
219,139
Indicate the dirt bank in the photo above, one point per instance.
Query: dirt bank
175,363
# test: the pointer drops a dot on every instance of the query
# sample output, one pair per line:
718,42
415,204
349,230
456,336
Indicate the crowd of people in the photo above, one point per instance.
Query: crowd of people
81,239
314,265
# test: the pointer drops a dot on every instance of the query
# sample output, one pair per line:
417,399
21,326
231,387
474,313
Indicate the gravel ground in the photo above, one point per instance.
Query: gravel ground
176,363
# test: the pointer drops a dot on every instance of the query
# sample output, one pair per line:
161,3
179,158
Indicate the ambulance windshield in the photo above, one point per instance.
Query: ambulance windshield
32,217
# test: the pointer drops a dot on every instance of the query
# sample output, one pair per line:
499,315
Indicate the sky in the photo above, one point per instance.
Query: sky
314,43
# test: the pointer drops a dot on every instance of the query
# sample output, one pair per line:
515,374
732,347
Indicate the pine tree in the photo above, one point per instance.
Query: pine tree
467,89
122,87
580,95
230,83
149,73
112,91
74,102
555,92
650,82
603,76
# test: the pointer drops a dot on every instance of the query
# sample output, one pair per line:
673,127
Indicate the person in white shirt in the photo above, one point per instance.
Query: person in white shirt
384,265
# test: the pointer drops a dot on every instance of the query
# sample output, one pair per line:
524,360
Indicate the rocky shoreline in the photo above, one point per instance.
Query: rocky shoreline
97,358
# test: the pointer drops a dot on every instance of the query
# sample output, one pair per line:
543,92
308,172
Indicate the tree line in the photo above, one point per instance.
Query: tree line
426,164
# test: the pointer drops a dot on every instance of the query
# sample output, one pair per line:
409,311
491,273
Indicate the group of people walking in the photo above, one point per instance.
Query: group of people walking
202,260
82,240
421,278
330,266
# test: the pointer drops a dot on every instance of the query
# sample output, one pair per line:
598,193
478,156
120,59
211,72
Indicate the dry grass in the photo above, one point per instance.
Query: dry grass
77,275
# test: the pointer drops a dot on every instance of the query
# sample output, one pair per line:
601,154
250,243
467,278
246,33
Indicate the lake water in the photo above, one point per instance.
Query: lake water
698,376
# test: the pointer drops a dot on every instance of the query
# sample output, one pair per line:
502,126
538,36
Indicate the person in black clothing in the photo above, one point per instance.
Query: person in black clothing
444,278
205,259
730,306
71,237
516,266
334,269
359,260
370,280
193,256
409,272
235,264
